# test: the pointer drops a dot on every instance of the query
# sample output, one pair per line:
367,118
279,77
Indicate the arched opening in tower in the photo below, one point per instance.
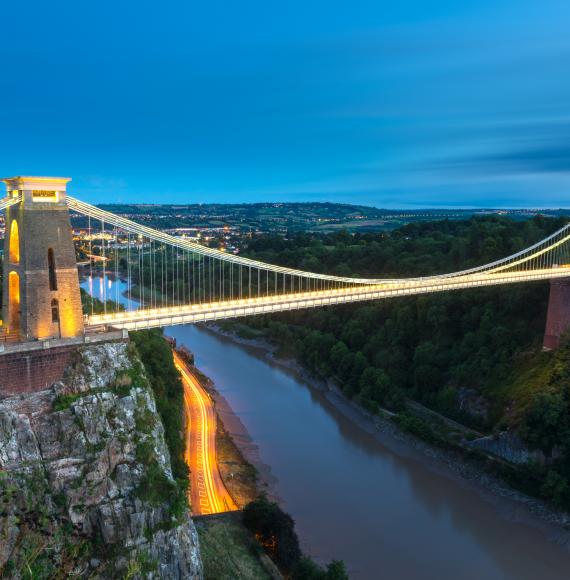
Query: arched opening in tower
14,302
51,269
14,243
55,315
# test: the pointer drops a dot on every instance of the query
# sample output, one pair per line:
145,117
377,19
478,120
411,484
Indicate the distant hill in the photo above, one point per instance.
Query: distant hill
282,217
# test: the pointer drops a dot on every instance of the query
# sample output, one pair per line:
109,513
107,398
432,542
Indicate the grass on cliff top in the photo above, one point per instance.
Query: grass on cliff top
229,551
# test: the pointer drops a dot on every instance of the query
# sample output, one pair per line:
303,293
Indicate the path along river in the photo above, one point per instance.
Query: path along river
363,498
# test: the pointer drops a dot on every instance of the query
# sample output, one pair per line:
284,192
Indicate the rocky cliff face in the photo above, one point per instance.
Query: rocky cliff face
85,480
508,446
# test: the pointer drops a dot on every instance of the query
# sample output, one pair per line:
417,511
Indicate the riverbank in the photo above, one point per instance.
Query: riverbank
471,470
242,471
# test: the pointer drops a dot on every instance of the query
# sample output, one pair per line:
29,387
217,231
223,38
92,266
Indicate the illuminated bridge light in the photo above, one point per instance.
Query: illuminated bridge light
179,280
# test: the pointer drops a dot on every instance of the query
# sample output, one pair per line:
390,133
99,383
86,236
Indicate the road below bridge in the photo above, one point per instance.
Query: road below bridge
207,493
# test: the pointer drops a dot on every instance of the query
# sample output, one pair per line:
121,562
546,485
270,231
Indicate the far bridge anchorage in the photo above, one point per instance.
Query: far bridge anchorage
173,280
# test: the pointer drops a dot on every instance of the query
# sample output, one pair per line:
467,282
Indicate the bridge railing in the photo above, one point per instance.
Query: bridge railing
8,201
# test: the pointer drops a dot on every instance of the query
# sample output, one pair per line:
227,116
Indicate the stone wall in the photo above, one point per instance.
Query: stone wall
26,372
558,318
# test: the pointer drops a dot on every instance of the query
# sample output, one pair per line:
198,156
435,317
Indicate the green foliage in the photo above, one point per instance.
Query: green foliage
422,429
228,550
142,566
145,420
34,560
413,250
121,387
48,544
155,488
556,487
423,347
145,452
545,425
307,569
93,305
429,347
165,382
62,402
8,491
275,530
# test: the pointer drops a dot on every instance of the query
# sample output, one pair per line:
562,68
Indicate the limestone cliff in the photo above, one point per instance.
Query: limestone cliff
508,446
86,487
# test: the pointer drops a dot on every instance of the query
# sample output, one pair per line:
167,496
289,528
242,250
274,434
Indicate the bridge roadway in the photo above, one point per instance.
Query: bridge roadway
188,314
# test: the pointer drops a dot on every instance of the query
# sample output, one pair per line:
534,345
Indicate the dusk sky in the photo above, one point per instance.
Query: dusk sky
393,104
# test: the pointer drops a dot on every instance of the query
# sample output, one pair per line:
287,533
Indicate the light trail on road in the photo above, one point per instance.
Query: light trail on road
208,494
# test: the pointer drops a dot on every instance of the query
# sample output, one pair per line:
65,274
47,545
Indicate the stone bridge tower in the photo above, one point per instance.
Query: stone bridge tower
558,317
41,297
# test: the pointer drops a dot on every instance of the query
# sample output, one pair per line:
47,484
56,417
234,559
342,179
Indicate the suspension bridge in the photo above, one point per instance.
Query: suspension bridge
171,280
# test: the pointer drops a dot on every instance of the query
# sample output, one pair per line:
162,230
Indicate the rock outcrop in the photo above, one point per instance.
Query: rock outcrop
86,486
508,446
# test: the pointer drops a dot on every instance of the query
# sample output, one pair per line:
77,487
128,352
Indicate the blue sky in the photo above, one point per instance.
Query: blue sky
393,104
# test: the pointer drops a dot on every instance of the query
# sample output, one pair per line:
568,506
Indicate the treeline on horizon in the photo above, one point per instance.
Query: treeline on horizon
415,249
436,349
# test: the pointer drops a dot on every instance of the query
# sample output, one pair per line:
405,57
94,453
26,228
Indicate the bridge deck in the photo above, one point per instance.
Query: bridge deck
187,314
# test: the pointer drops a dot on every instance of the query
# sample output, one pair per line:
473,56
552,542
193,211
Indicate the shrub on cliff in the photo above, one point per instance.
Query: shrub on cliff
156,355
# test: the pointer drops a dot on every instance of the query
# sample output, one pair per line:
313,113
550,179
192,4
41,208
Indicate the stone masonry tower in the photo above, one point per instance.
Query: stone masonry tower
558,317
41,297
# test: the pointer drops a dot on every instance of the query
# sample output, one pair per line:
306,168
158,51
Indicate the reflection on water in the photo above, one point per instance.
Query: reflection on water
109,288
372,504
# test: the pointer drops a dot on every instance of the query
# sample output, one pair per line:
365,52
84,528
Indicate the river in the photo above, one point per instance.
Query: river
377,505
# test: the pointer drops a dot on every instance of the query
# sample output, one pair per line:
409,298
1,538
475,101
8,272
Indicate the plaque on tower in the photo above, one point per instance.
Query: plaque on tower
44,195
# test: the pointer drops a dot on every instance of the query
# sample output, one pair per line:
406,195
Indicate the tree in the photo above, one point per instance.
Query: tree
336,570
341,359
426,371
557,488
374,386
307,569
359,364
275,530
541,424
